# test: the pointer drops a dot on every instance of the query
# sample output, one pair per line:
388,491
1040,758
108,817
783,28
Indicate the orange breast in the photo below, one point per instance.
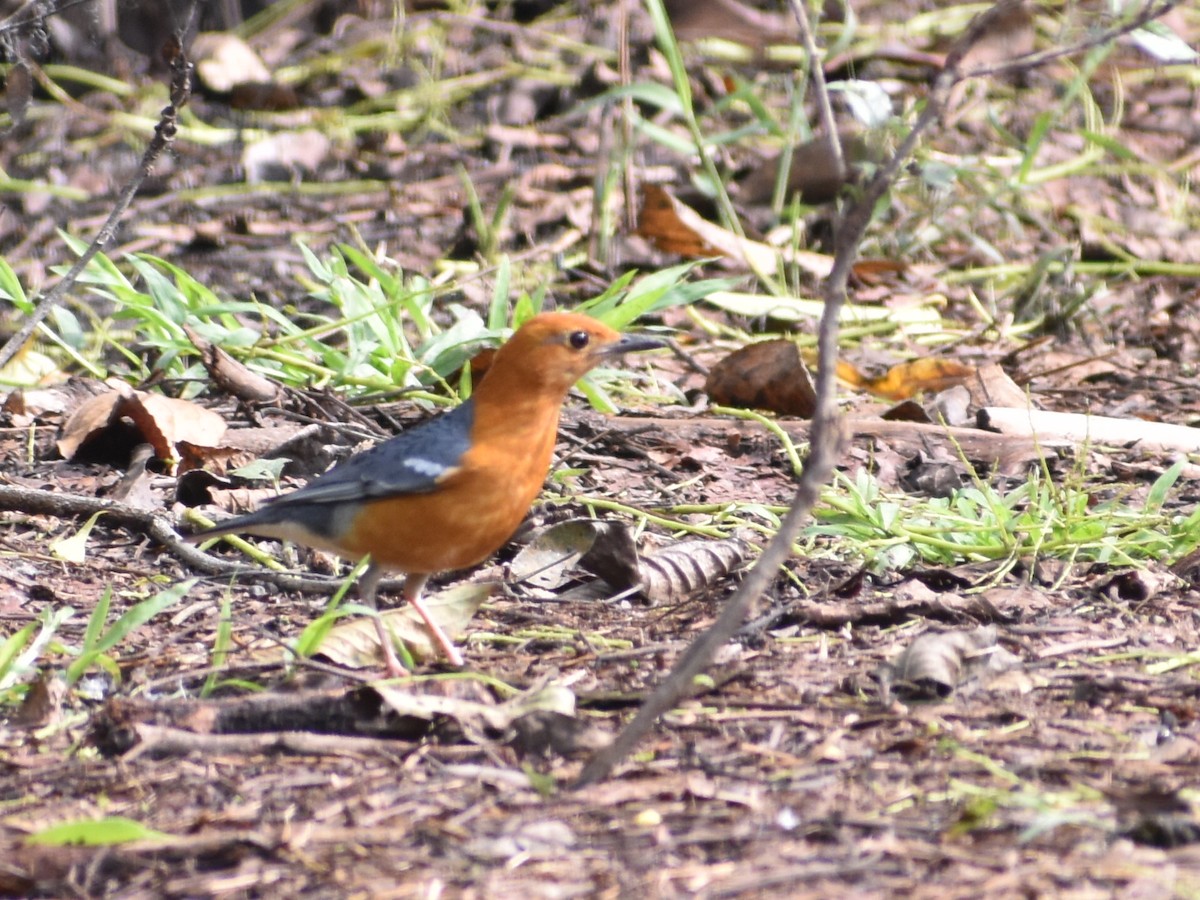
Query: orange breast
466,519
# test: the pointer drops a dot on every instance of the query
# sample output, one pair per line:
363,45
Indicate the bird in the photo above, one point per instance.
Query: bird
447,493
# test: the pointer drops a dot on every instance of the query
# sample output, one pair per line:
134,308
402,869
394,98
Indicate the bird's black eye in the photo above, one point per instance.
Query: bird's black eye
579,339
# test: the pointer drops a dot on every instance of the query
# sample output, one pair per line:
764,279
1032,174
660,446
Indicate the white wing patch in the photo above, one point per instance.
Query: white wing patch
428,467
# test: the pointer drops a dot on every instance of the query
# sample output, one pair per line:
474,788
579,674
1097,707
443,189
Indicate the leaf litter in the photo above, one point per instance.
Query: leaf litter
790,773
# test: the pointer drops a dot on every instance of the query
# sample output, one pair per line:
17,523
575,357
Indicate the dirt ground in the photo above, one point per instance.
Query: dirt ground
796,769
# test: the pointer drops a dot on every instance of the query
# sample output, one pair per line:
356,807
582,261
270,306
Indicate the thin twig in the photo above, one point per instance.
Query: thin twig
850,227
159,529
1030,61
164,135
820,90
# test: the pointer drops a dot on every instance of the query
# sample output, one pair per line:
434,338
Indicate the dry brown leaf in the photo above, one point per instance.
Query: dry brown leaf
906,380
769,375
286,156
990,385
675,227
813,173
1139,585
1010,36
730,21
223,60
268,96
614,557
236,501
165,421
478,721
162,422
355,644
547,560
879,271
42,704
87,422
660,221
608,551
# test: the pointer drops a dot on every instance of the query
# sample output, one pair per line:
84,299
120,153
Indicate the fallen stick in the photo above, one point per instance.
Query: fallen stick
1081,428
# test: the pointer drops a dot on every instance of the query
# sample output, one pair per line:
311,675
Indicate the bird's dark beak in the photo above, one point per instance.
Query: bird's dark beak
631,343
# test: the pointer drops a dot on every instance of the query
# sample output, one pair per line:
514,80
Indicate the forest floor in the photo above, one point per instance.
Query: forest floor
1049,742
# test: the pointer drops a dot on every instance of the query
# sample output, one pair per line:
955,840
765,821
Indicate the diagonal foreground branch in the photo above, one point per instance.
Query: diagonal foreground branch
827,434
164,135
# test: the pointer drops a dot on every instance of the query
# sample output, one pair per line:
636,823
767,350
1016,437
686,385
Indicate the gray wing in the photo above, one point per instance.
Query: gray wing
413,462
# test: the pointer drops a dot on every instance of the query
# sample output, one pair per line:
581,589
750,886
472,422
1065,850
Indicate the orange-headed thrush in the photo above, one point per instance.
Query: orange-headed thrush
449,492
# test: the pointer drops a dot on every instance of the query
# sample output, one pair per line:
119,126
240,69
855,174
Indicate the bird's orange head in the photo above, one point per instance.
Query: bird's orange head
552,351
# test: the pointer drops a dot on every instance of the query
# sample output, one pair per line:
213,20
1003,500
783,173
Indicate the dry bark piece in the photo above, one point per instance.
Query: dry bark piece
397,711
769,375
232,376
1081,428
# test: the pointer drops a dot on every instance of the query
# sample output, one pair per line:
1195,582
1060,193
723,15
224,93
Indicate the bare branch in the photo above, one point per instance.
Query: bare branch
164,135
827,440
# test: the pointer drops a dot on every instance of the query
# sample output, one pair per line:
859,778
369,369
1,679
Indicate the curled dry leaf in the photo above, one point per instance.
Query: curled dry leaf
286,155
769,375
608,551
160,421
936,663
684,568
1139,585
547,560
614,557
992,386
18,91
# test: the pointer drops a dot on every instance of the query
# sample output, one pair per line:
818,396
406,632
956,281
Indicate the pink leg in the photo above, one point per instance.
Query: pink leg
366,587
414,583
